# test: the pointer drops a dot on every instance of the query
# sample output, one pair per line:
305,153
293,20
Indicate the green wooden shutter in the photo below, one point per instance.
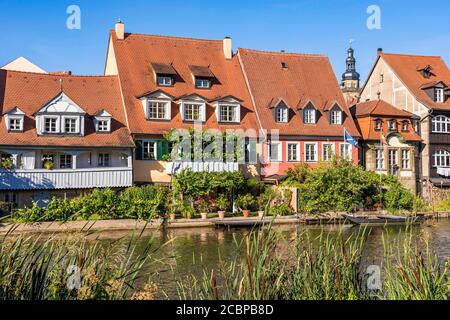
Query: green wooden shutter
165,147
138,154
159,150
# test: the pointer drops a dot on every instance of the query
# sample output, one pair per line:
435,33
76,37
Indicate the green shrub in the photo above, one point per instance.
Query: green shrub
280,209
245,202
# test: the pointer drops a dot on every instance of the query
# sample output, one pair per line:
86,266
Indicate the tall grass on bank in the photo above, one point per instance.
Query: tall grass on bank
37,269
323,268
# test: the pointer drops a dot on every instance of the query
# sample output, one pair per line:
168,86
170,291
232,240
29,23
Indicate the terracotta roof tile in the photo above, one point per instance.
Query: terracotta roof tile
306,78
406,67
31,91
137,51
378,108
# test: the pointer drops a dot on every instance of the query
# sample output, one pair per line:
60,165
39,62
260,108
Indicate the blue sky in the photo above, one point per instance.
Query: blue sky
37,29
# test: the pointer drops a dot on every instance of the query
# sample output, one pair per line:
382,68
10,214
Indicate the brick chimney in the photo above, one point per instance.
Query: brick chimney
379,51
120,30
228,48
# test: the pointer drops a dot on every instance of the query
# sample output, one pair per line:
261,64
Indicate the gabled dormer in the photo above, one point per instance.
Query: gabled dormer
436,91
335,113
14,120
157,105
202,76
192,107
227,109
102,121
280,111
164,74
60,116
309,112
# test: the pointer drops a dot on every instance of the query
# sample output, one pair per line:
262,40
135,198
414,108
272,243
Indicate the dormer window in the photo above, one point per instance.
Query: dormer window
227,108
14,120
228,113
336,116
202,83
102,121
15,124
193,111
71,125
439,95
50,125
103,125
281,114
158,110
164,81
378,125
309,116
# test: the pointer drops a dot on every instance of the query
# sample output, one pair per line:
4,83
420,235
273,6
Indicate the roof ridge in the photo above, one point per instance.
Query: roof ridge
312,55
58,74
171,37
411,55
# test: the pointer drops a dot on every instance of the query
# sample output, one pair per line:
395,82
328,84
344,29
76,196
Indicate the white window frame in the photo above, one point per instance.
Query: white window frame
281,114
405,126
309,115
202,106
441,158
199,83
325,158
149,143
439,95
378,125
336,117
15,118
57,126
101,128
315,153
65,156
77,124
379,159
237,112
392,125
279,151
406,159
297,152
164,82
440,124
349,158
166,115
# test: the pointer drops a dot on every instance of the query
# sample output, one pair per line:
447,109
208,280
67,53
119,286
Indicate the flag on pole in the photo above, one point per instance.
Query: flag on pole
349,139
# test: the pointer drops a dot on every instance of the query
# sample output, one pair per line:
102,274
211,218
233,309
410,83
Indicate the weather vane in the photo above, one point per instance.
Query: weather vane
351,41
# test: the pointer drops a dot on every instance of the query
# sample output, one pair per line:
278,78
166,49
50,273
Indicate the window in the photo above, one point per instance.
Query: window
441,158
336,117
379,159
392,159
47,158
192,112
202,83
392,125
65,161
103,125
381,77
415,124
405,159
440,124
158,110
165,81
228,113
293,152
281,114
439,95
404,125
327,151
310,115
50,125
310,152
345,151
70,125
15,124
104,160
149,150
378,125
275,151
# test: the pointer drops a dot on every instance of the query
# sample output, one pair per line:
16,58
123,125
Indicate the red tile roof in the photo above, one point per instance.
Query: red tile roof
378,108
137,52
366,113
306,77
32,91
406,67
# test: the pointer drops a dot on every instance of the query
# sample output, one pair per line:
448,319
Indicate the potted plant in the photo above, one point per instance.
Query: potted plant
203,208
245,202
48,165
261,205
7,164
222,205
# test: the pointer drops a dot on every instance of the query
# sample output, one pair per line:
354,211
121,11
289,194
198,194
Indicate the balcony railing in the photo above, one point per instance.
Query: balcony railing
212,166
41,179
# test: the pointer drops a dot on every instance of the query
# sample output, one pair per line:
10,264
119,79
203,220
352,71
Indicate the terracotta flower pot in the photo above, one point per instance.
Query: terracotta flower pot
261,214
204,215
246,213
221,214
